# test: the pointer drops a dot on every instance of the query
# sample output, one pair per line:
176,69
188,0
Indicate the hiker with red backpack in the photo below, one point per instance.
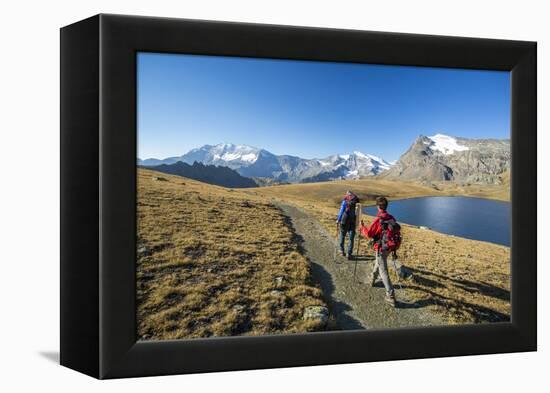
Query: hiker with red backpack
347,222
386,235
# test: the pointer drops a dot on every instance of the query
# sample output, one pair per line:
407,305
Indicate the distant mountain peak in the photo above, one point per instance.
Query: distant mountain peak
445,144
250,161
372,157
230,152
444,157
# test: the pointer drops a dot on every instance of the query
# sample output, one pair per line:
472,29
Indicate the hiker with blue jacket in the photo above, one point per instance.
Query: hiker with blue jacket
347,222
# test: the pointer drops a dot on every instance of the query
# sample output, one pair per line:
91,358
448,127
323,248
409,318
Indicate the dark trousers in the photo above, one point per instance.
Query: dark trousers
342,238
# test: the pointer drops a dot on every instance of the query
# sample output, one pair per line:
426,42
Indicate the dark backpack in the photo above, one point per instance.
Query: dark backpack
348,217
389,239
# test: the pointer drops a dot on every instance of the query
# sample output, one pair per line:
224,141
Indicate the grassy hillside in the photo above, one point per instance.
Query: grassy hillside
215,262
211,174
463,280
499,192
329,193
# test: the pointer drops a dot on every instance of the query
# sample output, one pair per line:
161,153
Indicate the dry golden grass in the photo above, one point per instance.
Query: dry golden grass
330,193
465,281
216,262
325,194
499,192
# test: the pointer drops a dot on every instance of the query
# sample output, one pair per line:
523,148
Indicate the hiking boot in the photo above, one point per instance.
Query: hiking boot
343,253
390,299
350,257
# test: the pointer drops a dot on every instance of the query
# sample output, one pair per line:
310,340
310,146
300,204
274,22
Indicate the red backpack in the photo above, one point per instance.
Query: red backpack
386,232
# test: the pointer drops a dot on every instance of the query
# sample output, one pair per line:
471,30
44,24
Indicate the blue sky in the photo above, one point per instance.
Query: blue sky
311,109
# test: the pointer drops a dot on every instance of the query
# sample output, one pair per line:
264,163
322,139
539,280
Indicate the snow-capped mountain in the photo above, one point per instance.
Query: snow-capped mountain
250,161
349,166
225,154
444,157
444,144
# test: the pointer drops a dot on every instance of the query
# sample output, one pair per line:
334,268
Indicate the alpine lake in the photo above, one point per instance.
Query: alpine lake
471,218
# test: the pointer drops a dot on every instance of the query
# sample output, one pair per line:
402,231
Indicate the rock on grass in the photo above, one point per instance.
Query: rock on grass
319,313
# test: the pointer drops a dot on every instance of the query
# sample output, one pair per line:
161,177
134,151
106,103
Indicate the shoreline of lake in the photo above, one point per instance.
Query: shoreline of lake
373,203
487,220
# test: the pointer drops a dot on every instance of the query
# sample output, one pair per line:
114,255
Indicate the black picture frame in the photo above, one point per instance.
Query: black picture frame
98,196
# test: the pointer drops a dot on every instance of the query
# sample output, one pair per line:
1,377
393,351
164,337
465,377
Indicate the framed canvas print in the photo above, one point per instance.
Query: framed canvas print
239,196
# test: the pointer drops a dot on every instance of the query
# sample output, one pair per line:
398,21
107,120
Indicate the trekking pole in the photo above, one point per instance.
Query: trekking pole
355,269
394,258
359,243
336,246
376,256
358,222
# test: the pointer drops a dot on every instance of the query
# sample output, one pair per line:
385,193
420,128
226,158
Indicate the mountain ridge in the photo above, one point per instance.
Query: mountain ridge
210,174
449,158
254,162
429,158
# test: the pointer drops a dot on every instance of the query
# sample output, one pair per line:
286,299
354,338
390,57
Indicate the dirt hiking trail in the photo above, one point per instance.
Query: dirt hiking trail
352,304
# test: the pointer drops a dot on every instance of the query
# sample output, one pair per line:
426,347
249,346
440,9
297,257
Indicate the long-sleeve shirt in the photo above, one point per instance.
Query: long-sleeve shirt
342,209
374,229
